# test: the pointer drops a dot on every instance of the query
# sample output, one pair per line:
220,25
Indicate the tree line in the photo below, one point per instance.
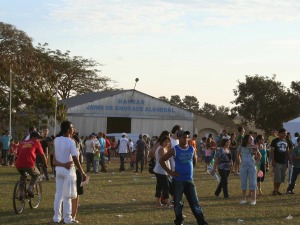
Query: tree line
39,73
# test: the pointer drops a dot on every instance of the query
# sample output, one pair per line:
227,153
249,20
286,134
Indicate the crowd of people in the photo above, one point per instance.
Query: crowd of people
172,157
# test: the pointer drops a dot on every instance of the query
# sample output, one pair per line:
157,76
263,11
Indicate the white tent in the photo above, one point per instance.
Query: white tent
292,126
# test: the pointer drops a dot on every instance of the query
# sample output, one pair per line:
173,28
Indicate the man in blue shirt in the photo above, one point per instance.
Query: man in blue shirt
5,140
182,177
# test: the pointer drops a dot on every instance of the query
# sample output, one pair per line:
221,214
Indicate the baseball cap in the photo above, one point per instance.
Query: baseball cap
182,132
124,134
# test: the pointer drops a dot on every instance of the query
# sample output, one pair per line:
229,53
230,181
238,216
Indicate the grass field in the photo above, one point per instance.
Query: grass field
126,198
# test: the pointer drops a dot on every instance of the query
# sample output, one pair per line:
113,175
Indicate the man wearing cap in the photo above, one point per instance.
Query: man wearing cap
25,163
123,147
182,177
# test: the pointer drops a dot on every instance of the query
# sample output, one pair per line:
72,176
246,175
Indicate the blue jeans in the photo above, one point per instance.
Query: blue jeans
295,173
96,165
102,159
188,189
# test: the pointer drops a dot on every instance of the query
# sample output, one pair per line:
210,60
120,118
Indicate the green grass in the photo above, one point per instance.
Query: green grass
125,198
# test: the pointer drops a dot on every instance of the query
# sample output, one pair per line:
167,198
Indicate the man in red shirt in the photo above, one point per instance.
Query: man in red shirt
25,163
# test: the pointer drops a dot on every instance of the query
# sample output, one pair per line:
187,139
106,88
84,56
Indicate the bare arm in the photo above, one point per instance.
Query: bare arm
65,165
166,157
78,165
195,157
272,153
153,149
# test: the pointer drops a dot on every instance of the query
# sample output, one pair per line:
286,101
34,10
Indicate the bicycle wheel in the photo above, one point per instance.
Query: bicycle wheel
35,201
18,199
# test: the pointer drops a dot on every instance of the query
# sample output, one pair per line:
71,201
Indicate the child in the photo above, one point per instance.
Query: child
132,160
262,164
296,168
96,161
12,154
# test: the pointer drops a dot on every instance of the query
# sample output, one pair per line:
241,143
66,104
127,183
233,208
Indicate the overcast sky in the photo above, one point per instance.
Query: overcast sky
181,47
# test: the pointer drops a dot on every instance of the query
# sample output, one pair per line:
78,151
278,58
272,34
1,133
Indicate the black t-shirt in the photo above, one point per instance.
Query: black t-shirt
280,150
45,143
140,147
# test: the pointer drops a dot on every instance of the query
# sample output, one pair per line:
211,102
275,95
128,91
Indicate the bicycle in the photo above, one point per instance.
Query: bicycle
20,195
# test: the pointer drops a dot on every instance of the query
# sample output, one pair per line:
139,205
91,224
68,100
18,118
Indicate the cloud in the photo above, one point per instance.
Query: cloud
157,16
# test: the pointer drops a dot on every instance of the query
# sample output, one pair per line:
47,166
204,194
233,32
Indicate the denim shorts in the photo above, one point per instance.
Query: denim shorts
248,172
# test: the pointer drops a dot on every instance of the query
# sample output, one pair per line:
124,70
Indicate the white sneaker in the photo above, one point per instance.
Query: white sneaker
243,202
253,203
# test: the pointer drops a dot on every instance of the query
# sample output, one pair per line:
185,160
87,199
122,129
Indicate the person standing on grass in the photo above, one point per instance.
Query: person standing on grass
239,140
162,185
65,156
262,164
184,157
280,153
90,149
296,168
223,163
233,150
140,153
249,158
5,140
123,147
102,142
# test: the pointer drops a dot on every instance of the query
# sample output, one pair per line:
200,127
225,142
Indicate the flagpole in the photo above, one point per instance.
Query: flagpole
55,115
10,98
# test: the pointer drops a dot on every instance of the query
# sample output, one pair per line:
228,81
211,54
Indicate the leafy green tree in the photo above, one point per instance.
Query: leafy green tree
191,103
37,72
163,98
264,101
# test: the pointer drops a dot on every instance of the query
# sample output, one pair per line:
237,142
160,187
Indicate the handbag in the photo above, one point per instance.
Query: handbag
70,185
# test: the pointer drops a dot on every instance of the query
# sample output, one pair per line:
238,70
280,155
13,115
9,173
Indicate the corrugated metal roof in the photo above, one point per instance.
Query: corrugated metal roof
89,97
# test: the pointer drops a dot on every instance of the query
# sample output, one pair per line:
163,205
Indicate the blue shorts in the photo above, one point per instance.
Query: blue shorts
248,172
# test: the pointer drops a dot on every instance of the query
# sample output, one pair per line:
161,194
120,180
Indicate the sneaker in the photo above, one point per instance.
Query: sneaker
30,192
274,193
253,203
72,222
290,192
243,202
279,193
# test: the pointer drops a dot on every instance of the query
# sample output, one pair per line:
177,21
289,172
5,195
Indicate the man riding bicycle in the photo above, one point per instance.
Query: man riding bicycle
26,158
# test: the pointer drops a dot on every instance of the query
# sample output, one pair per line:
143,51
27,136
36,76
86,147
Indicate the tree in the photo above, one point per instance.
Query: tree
163,98
37,73
191,103
264,101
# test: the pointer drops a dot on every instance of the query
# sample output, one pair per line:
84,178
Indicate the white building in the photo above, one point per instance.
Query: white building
131,111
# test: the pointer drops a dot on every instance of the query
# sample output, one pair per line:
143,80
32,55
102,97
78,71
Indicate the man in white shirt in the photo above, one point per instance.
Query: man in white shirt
123,147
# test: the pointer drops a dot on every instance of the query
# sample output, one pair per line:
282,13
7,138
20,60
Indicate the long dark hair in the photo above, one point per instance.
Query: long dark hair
245,140
64,127
164,133
163,139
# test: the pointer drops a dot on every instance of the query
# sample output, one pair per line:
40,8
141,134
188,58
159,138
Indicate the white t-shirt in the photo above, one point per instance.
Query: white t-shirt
123,145
89,148
65,148
131,146
97,143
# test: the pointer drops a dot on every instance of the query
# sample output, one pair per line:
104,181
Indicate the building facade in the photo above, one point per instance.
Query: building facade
131,111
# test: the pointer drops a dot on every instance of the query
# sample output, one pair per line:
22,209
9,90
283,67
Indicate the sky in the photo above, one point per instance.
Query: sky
199,48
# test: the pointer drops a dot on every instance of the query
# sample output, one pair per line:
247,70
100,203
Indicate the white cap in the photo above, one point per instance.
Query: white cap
124,134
